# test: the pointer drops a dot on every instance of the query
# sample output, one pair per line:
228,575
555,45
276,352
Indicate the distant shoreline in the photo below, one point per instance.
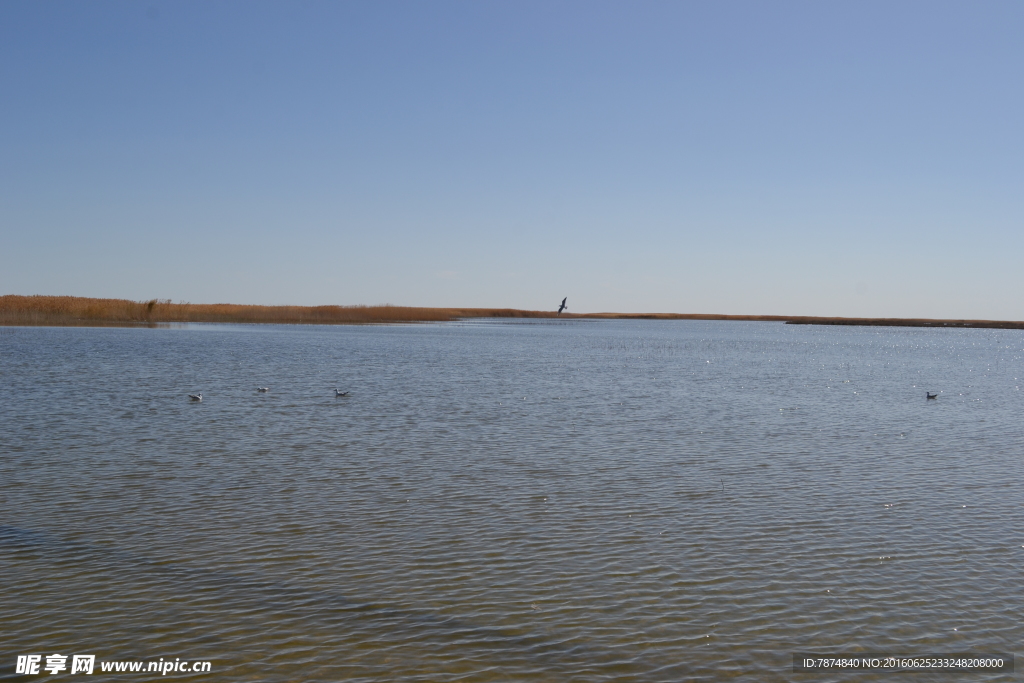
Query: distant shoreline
70,311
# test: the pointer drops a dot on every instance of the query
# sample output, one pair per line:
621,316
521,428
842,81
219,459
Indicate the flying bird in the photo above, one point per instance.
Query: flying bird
562,307
196,397
339,394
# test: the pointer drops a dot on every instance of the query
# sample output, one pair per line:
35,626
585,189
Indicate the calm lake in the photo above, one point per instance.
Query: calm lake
511,501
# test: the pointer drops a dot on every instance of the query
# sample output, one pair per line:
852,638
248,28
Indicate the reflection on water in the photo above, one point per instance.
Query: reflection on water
540,500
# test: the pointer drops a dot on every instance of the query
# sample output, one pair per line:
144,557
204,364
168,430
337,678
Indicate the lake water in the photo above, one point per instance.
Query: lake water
511,501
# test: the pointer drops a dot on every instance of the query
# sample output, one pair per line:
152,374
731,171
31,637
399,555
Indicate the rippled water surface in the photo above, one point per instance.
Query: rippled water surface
494,501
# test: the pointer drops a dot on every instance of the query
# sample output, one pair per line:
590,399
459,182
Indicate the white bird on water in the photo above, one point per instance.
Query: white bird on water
196,397
339,394
263,390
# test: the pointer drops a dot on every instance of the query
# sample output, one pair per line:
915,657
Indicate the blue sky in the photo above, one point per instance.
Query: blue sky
859,159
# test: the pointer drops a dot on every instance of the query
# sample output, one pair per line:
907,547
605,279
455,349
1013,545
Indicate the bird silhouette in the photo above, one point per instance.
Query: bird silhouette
562,307
930,395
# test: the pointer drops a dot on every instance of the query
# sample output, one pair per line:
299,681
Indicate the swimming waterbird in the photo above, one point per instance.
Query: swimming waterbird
263,390
339,394
196,397
930,395
562,307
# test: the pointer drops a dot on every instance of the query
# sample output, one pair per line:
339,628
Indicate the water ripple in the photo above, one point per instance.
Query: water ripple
572,502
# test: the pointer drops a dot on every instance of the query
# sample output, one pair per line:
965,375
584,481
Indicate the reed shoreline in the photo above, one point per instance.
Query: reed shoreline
70,311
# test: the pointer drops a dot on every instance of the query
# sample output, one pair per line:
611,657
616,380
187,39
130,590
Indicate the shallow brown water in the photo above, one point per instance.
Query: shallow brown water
495,501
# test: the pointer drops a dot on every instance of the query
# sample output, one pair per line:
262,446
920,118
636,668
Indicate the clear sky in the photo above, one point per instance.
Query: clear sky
816,158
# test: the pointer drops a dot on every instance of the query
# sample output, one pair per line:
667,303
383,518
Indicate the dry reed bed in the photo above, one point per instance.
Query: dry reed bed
73,310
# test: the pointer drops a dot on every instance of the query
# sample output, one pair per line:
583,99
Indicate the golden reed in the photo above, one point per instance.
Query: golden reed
75,310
